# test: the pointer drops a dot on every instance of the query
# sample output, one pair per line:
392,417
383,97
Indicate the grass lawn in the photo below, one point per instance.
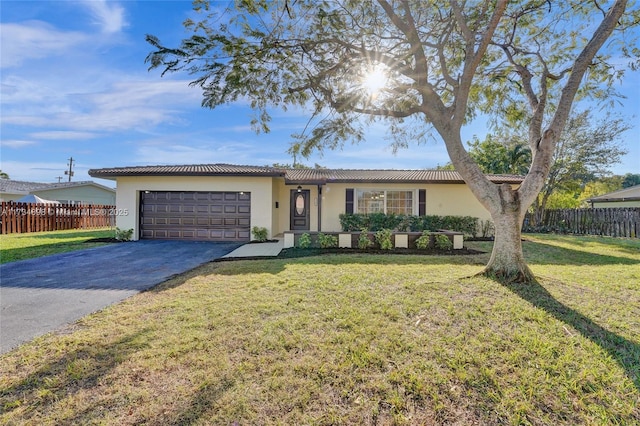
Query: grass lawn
36,244
352,339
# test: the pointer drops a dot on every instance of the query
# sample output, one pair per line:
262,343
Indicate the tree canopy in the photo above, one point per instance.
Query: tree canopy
585,152
630,179
501,155
418,65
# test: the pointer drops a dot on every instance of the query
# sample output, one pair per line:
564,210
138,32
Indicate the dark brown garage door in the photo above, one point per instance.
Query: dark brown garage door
211,216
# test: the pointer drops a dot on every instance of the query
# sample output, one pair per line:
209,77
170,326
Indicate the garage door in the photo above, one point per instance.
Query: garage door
208,216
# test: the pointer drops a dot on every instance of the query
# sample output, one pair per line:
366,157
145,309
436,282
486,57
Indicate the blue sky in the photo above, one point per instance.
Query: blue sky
74,84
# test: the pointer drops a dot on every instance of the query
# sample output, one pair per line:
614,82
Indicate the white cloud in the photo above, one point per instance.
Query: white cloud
110,16
144,93
64,135
17,143
160,152
119,106
33,40
25,93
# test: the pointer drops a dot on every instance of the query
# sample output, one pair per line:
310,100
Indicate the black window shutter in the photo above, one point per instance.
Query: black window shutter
422,202
348,208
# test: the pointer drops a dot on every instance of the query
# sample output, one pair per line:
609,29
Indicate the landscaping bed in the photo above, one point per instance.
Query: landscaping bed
294,252
104,240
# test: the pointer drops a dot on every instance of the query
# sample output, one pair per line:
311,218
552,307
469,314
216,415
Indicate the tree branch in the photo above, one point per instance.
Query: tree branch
438,110
542,163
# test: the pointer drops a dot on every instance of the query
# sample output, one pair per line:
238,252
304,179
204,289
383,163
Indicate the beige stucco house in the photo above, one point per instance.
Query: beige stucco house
627,197
223,202
84,192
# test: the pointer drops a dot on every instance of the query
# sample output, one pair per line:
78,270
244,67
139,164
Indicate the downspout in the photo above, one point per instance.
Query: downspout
319,207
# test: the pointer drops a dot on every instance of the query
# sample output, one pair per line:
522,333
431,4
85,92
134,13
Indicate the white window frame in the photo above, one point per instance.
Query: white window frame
358,191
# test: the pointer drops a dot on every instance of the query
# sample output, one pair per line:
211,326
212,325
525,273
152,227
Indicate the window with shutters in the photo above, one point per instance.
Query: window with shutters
385,201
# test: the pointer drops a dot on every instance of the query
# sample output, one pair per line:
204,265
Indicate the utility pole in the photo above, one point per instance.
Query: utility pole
59,179
70,171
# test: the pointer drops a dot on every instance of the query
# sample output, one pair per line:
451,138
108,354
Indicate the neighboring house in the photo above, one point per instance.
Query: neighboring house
627,197
223,202
86,192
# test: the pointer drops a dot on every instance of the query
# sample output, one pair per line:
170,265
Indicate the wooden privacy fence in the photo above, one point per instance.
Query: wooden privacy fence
20,218
612,222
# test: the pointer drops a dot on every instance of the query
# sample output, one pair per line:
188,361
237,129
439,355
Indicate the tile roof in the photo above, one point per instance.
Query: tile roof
19,187
187,170
631,193
385,176
298,176
23,187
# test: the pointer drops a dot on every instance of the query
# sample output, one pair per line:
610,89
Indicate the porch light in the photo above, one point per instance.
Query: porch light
299,188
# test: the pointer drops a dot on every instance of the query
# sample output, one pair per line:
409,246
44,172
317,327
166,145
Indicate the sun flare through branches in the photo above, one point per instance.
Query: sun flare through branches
375,79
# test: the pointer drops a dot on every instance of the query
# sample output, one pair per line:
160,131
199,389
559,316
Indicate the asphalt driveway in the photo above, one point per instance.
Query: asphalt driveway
41,295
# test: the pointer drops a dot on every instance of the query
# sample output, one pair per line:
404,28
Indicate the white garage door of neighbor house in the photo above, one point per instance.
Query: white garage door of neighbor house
188,215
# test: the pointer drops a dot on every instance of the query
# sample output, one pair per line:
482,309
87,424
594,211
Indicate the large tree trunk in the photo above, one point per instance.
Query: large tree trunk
507,207
507,261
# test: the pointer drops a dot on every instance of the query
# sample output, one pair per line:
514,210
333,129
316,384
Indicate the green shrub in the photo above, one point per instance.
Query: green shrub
486,228
327,241
124,235
467,225
304,241
376,221
383,237
442,242
424,241
352,222
259,233
363,240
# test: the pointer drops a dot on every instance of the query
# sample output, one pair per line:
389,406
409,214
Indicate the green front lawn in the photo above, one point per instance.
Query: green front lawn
36,244
352,339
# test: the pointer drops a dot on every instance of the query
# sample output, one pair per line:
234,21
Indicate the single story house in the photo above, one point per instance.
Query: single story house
222,202
85,192
627,197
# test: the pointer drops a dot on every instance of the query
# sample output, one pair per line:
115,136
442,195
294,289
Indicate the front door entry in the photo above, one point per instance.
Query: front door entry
300,210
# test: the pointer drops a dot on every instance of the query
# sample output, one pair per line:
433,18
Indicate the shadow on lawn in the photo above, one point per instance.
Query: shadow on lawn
40,245
549,254
275,265
74,371
624,351
25,253
65,234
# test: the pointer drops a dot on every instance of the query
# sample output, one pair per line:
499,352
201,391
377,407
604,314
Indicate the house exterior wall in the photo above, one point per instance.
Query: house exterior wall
276,183
283,192
626,197
441,199
454,200
86,194
5,196
129,189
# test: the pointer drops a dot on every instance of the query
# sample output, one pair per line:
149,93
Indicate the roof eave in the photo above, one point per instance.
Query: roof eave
114,175
609,200
385,181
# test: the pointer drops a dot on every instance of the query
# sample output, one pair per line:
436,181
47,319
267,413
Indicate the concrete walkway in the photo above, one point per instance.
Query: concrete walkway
268,249
41,295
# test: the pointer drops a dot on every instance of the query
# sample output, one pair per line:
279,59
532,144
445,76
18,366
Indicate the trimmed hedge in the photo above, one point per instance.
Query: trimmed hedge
467,225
